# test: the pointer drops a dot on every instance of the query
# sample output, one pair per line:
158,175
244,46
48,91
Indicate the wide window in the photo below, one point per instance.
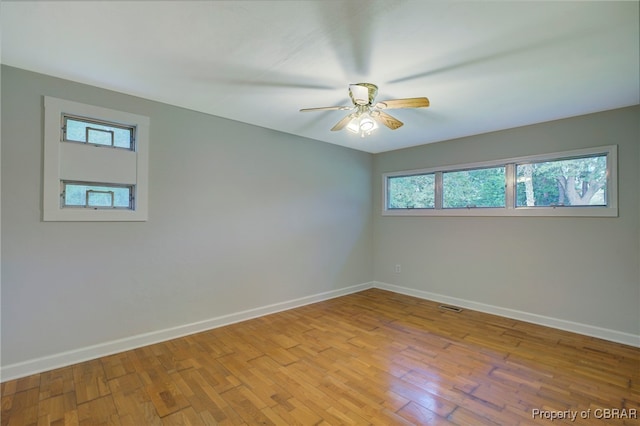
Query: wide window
570,183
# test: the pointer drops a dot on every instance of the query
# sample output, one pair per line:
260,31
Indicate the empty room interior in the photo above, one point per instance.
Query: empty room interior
310,212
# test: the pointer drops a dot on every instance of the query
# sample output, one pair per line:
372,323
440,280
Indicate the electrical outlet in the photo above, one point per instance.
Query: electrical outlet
398,269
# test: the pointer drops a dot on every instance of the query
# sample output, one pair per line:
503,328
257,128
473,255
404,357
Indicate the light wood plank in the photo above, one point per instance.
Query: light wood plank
373,357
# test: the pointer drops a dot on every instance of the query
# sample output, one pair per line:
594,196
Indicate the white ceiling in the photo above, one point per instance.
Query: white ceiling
484,66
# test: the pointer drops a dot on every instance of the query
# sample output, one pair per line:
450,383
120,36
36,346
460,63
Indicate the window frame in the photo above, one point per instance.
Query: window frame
510,209
94,164
409,208
442,192
131,128
65,183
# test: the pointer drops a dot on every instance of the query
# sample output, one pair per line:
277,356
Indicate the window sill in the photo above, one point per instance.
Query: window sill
520,211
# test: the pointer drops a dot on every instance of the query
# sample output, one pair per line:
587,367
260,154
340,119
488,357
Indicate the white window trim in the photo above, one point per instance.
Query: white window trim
611,210
53,149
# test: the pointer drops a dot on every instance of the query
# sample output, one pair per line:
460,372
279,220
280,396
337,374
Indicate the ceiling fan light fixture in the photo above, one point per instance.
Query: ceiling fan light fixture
362,124
367,124
354,125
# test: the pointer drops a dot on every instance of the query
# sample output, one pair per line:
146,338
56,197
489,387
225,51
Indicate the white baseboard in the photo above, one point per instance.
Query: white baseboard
585,329
50,362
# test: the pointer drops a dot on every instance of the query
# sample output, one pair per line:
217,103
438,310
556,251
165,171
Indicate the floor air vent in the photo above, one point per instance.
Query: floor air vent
450,308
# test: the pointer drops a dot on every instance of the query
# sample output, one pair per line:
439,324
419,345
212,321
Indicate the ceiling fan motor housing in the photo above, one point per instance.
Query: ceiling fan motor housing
363,93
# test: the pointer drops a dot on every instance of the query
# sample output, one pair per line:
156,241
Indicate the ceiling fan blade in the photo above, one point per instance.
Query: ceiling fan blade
332,108
387,120
403,103
342,123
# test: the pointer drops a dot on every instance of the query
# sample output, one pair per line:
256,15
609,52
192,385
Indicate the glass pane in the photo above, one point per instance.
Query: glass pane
75,195
570,182
78,130
411,192
474,188
100,198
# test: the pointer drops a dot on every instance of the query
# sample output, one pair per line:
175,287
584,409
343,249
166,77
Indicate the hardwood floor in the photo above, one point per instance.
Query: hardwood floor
373,357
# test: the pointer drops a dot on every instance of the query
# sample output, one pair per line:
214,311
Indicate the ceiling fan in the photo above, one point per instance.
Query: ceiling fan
366,115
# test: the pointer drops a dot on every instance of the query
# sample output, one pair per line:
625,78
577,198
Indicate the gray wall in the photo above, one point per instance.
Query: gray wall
242,217
239,217
582,270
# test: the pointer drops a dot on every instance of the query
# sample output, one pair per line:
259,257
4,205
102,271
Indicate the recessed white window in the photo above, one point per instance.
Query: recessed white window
90,196
96,132
95,163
